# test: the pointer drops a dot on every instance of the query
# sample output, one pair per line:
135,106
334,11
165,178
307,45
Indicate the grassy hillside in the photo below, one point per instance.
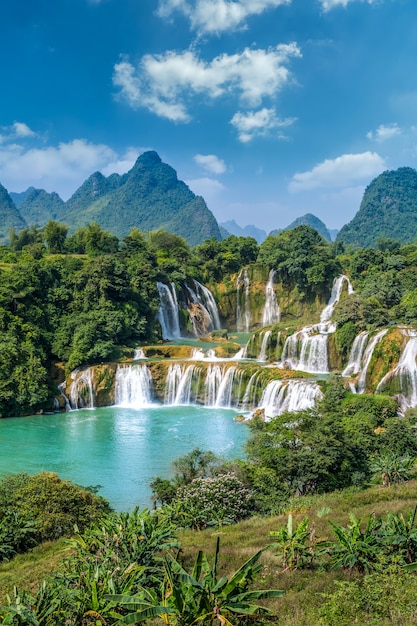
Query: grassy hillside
314,597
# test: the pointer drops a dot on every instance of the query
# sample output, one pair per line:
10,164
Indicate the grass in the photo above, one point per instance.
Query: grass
305,589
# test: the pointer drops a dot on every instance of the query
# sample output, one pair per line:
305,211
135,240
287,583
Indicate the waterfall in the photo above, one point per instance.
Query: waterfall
265,339
406,372
81,393
272,313
133,387
219,386
207,300
61,388
356,354
337,289
168,311
178,386
313,356
242,309
139,354
307,350
249,398
361,386
281,396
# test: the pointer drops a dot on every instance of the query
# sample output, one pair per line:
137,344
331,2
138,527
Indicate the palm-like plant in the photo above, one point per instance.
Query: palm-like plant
199,597
400,535
393,468
295,543
355,548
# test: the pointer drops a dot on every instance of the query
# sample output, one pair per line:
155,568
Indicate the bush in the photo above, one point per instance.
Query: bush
214,501
43,507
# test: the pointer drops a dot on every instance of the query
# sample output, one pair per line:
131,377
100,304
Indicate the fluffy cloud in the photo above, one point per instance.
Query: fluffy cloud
331,4
258,123
162,83
18,130
217,16
211,163
59,168
344,171
384,132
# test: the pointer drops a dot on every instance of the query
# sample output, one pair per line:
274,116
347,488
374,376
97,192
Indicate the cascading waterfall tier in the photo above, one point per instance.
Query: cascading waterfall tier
271,313
356,354
168,313
405,372
203,297
281,396
133,386
366,360
81,391
242,301
266,335
307,349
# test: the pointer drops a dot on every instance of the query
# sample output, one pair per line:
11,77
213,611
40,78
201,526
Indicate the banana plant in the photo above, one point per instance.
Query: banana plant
400,535
198,597
355,548
296,543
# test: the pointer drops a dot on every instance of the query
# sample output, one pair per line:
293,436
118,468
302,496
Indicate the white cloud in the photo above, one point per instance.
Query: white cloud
217,16
331,4
211,163
344,171
59,168
209,188
384,132
18,130
258,123
162,83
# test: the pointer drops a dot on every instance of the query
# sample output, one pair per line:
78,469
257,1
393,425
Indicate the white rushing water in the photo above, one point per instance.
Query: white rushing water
337,289
366,360
307,349
81,391
265,334
280,396
405,371
133,386
242,301
356,354
168,313
271,313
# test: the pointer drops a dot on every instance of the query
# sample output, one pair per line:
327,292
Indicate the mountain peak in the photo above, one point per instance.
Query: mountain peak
148,158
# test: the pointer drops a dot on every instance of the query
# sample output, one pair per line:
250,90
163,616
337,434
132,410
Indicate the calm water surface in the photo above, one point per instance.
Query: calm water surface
119,448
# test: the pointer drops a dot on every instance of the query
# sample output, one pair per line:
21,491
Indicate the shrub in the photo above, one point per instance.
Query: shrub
215,501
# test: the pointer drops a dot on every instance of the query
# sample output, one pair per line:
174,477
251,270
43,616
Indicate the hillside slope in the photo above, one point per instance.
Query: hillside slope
388,209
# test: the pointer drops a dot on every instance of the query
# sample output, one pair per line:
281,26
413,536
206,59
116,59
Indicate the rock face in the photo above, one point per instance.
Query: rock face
388,209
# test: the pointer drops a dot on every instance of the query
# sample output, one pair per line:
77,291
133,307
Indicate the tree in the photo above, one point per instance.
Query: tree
55,237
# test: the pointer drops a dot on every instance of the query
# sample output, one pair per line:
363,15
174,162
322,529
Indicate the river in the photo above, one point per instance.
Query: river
120,449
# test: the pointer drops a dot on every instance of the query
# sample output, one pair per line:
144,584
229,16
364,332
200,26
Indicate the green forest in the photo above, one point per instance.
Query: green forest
324,500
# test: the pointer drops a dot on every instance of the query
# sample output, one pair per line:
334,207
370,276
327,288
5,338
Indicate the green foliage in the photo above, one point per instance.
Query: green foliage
42,507
302,259
295,549
354,547
200,596
382,598
388,210
392,468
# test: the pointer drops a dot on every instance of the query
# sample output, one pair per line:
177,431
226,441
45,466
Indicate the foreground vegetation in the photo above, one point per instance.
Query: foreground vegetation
122,555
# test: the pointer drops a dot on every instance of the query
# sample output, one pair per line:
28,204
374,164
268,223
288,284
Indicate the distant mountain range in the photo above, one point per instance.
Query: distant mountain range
150,196
308,220
232,228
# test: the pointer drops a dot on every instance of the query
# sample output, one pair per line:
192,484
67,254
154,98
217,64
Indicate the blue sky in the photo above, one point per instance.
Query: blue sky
268,108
